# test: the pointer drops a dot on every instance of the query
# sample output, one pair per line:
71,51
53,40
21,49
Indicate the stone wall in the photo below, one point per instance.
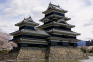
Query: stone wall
89,54
52,53
60,53
11,57
31,53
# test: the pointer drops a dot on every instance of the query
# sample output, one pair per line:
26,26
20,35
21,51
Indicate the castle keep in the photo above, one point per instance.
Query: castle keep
55,31
52,40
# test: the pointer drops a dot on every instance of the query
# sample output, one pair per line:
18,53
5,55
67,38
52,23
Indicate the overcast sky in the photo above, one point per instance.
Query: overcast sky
80,12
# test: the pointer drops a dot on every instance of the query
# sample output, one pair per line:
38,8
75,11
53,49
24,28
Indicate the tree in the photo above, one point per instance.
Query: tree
4,42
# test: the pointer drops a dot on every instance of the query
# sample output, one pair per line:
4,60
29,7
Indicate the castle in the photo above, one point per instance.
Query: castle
54,32
53,40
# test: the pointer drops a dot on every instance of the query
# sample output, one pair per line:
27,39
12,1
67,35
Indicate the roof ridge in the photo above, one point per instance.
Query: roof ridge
53,6
29,19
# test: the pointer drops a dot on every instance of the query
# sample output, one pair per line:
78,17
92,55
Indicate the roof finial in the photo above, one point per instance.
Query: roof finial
29,16
58,5
24,18
50,3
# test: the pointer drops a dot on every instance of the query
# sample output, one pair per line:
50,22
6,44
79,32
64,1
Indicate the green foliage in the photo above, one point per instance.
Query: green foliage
83,50
4,51
86,50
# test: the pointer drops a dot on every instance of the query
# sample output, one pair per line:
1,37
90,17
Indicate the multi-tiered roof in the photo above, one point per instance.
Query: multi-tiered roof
28,34
55,24
54,31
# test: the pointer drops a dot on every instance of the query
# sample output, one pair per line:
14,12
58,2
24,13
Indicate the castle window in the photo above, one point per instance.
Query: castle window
65,43
63,36
62,28
75,44
53,43
24,45
59,43
56,13
27,27
30,36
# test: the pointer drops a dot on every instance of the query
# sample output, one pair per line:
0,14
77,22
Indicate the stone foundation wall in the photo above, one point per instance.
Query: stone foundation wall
31,53
52,53
11,57
60,53
89,54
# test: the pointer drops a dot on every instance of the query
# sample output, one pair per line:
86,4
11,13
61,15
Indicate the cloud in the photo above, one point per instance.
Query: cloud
80,12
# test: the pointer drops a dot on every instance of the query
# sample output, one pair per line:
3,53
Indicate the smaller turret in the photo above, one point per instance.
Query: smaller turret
28,35
27,21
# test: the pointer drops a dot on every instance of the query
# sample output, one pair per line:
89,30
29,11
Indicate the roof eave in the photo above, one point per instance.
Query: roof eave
26,23
51,10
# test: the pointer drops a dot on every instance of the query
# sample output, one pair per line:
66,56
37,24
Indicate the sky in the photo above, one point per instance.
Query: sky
80,12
